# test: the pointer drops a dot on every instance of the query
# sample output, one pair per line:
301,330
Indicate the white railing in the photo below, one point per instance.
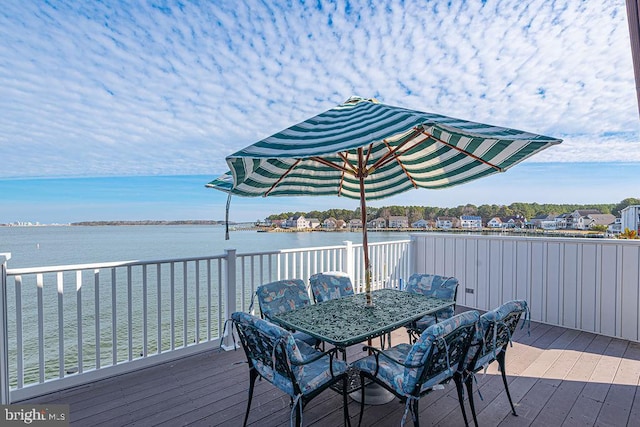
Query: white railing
68,325
588,284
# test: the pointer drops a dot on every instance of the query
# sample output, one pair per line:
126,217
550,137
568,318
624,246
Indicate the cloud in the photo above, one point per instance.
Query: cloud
112,88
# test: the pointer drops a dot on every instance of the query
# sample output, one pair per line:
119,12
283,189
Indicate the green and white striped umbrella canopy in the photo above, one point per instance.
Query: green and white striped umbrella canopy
366,150
392,149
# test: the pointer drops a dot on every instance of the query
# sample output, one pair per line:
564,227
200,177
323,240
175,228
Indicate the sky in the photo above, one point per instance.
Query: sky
124,110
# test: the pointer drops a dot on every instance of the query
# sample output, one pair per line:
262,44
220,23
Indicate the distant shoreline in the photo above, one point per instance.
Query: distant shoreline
110,223
148,222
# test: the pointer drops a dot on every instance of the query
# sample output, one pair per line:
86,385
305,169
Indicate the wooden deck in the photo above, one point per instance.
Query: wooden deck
557,377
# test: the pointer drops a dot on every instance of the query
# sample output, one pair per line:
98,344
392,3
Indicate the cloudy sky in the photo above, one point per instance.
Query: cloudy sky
105,89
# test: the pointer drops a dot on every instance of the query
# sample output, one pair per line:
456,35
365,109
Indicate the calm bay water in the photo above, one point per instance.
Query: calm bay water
62,245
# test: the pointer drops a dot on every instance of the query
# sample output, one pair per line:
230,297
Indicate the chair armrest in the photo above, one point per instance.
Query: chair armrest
377,352
317,356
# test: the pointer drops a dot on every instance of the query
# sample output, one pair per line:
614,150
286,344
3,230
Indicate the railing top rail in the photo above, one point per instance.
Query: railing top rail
99,265
385,243
533,238
115,264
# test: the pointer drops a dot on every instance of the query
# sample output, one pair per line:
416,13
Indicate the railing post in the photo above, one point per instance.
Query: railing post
229,340
412,256
349,266
4,325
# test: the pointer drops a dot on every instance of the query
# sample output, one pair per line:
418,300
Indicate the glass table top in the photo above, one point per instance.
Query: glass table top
347,321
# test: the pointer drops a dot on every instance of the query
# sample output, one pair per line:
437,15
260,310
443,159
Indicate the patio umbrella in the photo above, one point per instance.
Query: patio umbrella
366,150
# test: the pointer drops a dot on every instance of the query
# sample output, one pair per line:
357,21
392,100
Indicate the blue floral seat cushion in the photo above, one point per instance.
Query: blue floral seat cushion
479,343
327,286
309,376
391,367
435,286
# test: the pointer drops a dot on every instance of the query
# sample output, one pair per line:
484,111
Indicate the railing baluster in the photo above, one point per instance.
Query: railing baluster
209,299
96,304
5,380
159,305
79,320
243,281
220,311
60,290
41,337
145,326
197,302
185,312
114,320
19,336
172,345
129,314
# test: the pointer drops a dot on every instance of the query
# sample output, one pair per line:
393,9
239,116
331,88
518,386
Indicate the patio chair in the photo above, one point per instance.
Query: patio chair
282,296
297,369
435,286
330,285
411,371
494,332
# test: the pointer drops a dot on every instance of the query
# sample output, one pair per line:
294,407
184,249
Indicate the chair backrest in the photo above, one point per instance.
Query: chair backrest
282,296
439,351
330,285
495,329
435,286
270,350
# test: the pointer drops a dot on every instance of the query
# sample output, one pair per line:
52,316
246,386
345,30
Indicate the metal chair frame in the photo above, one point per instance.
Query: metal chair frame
260,346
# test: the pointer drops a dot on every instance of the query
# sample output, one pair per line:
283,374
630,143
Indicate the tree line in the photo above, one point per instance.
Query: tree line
486,211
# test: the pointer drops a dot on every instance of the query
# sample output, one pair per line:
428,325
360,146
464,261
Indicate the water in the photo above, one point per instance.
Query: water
63,245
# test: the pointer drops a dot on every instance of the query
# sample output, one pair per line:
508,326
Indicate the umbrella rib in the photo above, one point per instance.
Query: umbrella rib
333,165
473,156
275,184
366,160
397,159
393,152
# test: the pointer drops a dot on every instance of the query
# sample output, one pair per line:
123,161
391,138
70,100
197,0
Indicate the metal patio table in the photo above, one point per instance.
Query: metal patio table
346,321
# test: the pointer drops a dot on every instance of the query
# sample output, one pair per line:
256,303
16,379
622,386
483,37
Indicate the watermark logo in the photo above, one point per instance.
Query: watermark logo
34,415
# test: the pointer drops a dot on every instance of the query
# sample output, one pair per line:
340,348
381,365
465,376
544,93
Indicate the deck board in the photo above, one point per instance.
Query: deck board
556,376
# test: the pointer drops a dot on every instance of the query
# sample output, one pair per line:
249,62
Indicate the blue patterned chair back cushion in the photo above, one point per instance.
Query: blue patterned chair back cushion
494,331
271,350
326,286
432,361
282,296
435,286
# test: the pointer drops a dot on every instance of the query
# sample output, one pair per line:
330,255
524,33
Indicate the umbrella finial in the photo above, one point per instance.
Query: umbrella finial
356,99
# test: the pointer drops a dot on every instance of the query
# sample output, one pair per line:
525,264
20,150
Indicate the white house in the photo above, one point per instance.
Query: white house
298,221
630,218
355,223
546,222
313,222
495,222
561,221
598,219
377,223
398,222
616,227
445,222
470,221
421,223
514,221
330,223
576,219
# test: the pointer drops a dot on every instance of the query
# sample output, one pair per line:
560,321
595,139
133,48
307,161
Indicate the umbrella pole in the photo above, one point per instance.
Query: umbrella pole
363,216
